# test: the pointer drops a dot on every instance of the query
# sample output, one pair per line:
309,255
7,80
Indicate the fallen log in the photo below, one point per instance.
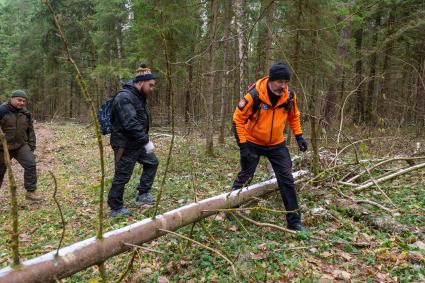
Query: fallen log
84,254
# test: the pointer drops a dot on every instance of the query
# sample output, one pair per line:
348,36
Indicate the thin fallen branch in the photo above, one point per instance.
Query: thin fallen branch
212,238
274,226
364,201
204,246
14,236
144,248
128,268
379,188
263,224
389,177
190,236
352,179
348,184
60,212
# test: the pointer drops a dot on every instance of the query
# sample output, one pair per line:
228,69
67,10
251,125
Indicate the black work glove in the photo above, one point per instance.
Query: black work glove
302,144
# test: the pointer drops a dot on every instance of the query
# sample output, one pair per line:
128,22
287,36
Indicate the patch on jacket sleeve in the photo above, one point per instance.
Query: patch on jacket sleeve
241,104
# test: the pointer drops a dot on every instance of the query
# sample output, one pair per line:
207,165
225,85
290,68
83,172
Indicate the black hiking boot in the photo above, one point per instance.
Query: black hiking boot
145,198
122,212
299,227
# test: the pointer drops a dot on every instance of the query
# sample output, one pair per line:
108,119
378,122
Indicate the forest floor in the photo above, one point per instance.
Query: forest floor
381,244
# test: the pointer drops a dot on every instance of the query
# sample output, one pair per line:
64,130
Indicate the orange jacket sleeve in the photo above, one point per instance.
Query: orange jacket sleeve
294,119
241,115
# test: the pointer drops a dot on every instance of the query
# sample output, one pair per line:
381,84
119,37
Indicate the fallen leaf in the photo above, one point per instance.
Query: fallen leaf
326,254
415,257
345,255
220,217
258,256
341,274
163,279
326,278
262,247
146,271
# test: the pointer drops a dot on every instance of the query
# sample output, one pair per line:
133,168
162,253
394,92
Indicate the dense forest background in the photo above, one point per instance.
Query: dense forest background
369,55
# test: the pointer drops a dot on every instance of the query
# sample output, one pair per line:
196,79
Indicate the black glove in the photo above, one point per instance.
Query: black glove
302,144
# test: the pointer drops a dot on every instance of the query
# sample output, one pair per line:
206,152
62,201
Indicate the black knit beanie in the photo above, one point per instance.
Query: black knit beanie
279,71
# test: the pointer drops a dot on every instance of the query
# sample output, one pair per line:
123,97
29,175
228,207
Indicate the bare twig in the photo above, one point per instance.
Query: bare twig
389,177
204,246
14,236
379,188
262,224
274,226
342,114
60,212
352,179
170,83
128,268
364,201
212,238
144,248
190,236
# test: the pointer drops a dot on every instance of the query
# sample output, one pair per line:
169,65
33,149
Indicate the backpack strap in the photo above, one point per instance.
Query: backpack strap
256,100
290,102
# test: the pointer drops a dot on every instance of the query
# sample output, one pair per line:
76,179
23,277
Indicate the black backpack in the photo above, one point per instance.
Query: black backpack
104,116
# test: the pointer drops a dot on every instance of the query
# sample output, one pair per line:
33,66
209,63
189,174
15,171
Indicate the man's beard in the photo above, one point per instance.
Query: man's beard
278,92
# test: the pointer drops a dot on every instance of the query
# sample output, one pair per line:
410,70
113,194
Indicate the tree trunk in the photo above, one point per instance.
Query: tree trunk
332,95
265,38
241,46
389,47
420,96
372,86
225,89
210,76
358,117
187,101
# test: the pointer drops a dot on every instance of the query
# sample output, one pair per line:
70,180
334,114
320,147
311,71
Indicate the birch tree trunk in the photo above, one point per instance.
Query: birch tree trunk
210,76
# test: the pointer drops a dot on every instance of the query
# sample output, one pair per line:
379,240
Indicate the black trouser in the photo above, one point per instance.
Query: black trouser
26,158
280,160
125,160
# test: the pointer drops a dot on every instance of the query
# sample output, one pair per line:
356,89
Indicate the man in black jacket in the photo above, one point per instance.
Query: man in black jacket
130,141
17,124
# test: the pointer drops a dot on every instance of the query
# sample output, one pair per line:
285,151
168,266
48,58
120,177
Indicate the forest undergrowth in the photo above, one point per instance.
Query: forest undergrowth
372,234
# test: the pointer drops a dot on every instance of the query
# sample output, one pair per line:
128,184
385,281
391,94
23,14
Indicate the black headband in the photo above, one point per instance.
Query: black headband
146,77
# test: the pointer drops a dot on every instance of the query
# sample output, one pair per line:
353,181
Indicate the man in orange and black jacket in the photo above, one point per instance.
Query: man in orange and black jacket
261,134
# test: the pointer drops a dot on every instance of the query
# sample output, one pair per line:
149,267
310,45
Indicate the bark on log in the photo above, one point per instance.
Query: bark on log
82,255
